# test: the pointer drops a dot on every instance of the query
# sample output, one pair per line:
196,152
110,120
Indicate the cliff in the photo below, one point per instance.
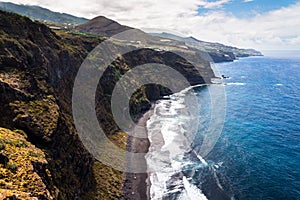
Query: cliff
34,62
37,72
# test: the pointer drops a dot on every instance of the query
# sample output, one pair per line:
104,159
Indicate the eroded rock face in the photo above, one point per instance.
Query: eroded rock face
3,157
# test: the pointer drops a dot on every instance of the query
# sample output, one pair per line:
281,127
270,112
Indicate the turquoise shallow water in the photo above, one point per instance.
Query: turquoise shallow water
260,144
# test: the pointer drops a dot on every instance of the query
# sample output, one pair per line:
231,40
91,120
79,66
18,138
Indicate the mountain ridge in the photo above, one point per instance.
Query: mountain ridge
219,52
41,14
102,26
106,27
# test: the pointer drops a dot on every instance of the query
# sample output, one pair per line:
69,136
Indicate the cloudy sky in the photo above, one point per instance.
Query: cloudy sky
260,24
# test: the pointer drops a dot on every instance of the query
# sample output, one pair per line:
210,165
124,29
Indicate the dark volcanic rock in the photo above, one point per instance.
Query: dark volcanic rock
3,159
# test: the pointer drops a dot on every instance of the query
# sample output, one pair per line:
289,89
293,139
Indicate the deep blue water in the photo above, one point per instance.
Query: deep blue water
257,155
259,147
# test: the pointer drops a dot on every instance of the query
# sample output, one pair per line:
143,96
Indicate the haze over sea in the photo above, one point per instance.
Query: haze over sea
258,153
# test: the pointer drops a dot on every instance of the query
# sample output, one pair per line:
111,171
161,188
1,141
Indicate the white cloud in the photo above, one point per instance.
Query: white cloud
294,40
246,1
279,29
215,4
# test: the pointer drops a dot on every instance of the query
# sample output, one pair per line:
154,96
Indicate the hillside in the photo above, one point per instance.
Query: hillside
41,14
102,26
217,51
37,72
164,41
106,27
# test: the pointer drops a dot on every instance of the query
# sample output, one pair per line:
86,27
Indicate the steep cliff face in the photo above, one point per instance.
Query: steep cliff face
37,72
34,62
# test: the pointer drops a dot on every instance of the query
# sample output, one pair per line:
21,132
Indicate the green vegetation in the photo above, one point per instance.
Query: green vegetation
41,14
35,99
37,71
109,181
40,116
18,177
83,34
2,145
12,167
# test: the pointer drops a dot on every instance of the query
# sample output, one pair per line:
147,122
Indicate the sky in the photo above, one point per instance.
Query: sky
259,24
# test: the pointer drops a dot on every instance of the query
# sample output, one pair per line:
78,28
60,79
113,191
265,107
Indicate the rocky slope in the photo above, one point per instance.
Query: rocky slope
37,72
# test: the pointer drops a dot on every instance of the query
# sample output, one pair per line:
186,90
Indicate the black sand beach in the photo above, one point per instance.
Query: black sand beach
136,185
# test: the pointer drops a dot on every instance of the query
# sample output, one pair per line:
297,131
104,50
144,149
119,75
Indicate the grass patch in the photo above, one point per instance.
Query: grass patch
83,34
2,145
12,167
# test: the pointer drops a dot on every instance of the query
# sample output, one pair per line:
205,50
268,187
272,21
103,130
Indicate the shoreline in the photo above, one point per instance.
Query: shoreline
137,185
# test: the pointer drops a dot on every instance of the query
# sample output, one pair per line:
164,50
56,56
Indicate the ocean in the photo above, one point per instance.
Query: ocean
257,155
